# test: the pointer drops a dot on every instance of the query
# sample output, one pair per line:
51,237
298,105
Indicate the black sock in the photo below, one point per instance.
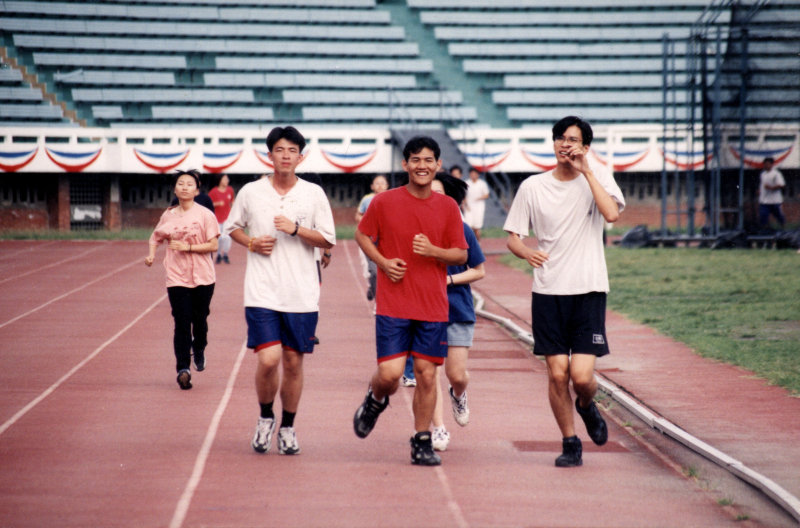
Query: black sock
287,420
266,410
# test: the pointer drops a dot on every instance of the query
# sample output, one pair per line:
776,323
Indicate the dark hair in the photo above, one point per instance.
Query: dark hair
455,188
288,133
769,159
454,167
417,143
562,126
194,173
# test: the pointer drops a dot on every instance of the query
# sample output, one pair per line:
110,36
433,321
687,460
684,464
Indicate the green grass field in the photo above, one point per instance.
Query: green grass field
738,306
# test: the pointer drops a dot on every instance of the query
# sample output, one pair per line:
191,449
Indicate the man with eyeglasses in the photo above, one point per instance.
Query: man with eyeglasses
567,208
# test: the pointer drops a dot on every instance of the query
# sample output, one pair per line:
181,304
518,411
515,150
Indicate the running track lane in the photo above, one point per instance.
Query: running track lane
115,443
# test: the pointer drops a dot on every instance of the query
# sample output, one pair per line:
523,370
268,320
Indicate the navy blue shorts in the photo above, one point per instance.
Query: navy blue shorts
266,328
401,337
564,324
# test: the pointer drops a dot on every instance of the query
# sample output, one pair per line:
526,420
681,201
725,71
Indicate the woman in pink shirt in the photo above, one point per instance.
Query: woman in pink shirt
192,232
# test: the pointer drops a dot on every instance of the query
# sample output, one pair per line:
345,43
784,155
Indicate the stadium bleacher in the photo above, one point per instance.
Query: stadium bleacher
605,59
225,63
498,63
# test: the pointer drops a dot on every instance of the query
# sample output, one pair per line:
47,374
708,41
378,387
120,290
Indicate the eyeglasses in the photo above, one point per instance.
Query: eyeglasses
569,140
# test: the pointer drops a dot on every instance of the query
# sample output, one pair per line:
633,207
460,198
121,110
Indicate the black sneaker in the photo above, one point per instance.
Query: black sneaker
367,415
595,425
199,361
225,258
572,451
422,453
185,380
219,258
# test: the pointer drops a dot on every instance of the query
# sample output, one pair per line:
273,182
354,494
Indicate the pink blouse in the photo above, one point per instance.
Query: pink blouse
198,225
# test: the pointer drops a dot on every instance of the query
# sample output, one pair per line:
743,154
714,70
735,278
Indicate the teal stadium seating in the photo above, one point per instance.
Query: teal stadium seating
373,63
21,104
604,59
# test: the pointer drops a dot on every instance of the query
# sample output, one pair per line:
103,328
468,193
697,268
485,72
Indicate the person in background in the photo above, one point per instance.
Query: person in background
378,185
461,322
192,232
475,204
202,198
222,197
567,208
770,195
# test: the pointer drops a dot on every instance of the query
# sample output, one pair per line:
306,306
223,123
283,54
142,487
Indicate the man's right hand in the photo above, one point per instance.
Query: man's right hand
536,258
395,269
263,245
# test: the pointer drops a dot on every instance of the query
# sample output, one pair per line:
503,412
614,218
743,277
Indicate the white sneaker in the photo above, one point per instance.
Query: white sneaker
262,440
409,382
460,408
287,441
440,438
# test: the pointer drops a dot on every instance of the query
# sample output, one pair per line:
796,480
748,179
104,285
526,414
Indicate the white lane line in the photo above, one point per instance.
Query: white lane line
357,277
202,456
52,265
22,412
79,288
452,503
32,247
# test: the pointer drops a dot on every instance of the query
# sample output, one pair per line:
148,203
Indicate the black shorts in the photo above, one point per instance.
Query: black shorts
564,324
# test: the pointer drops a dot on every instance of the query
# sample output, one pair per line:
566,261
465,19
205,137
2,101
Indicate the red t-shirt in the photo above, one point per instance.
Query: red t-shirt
222,202
392,219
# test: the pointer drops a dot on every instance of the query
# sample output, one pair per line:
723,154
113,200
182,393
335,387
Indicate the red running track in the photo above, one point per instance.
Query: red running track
95,432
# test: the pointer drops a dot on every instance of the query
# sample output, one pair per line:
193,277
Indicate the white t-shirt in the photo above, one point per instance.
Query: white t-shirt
286,280
476,207
771,177
569,228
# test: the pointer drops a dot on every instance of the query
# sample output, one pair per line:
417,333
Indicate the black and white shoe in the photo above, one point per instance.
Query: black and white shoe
460,408
287,441
262,440
367,415
422,453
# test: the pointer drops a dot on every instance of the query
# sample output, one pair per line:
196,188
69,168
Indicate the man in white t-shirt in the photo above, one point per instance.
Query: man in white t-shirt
770,195
475,202
567,209
281,220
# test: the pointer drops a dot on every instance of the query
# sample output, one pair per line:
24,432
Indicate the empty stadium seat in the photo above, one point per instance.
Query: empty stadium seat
516,63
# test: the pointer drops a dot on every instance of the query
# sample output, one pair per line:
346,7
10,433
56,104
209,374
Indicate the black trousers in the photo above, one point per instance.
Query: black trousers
190,309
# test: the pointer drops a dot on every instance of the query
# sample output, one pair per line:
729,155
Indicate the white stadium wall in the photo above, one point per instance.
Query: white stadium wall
630,148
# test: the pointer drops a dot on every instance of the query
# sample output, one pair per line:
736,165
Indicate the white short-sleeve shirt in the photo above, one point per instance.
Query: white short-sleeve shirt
569,228
477,207
768,196
286,280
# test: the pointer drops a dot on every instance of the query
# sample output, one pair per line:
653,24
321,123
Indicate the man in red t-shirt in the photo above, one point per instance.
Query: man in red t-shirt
222,198
412,234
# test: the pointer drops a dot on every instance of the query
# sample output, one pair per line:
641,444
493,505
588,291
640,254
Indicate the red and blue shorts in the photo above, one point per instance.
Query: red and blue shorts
400,337
293,330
